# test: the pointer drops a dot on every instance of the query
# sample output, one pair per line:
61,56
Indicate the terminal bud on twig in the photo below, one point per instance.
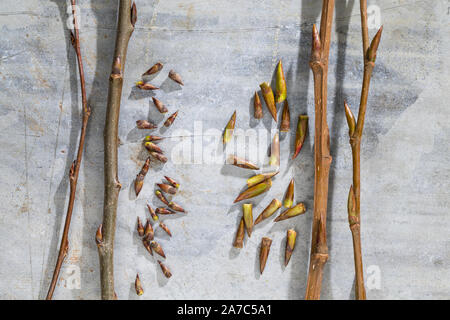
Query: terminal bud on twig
258,112
171,119
229,129
159,105
372,51
316,49
167,188
273,206
140,227
290,245
165,270
264,253
138,286
175,77
154,69
280,84
350,119
267,93
292,212
172,182
241,163
302,130
165,228
289,197
239,240
255,190
260,178
274,159
248,217
161,197
145,124
285,118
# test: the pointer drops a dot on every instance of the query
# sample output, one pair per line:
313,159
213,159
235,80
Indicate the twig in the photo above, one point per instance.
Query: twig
75,168
125,27
322,158
355,133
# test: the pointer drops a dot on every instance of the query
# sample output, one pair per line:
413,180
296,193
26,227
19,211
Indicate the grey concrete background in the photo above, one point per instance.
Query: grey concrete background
223,50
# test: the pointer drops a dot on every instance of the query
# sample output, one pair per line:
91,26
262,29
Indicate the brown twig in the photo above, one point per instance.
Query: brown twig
75,168
125,27
355,134
322,158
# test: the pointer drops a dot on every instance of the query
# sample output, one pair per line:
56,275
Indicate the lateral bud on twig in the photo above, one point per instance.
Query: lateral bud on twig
292,212
138,285
175,77
99,236
239,240
255,190
165,228
171,119
290,245
165,270
152,213
159,156
229,129
241,163
116,68
264,253
350,119
133,14
162,210
351,207
139,181
154,69
157,248
167,188
258,113
285,118
302,130
146,243
161,197
151,138
289,196
267,93
145,124
172,182
372,51
151,147
140,227
248,217
159,105
176,207
316,49
149,234
274,159
280,84
273,206
145,86
260,178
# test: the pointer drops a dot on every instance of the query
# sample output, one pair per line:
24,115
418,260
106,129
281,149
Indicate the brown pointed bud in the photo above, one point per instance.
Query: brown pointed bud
372,51
145,124
165,228
350,119
151,147
280,84
172,182
73,40
175,77
292,212
290,245
152,213
264,253
139,181
161,197
145,86
241,163
158,156
302,130
146,243
255,190
274,159
159,105
258,112
176,207
171,119
162,210
165,270
229,129
154,69
167,188
116,68
140,228
289,196
151,138
239,240
157,248
138,286
149,234
286,118
351,207
99,236
273,206
133,14
253,181
267,93
316,47
248,217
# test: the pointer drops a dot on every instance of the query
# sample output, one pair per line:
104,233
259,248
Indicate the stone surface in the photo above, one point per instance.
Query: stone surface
223,50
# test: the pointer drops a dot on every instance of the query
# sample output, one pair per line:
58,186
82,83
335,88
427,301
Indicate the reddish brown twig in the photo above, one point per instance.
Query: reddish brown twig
355,134
322,158
75,168
125,27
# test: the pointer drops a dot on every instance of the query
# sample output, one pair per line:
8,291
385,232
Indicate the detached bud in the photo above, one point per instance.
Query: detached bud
152,213
239,240
164,227
151,147
167,188
139,181
140,227
248,218
165,270
228,132
274,205
157,248
267,93
171,119
281,84
164,211
258,112
154,69
159,105
292,212
172,182
264,253
260,178
145,86
146,243
145,124
138,286
241,163
302,129
161,197
286,118
176,207
158,156
175,77
290,245
149,234
289,197
255,190
151,138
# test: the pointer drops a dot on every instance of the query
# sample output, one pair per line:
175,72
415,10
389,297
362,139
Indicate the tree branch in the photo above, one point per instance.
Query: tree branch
355,134
125,27
322,158
75,168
